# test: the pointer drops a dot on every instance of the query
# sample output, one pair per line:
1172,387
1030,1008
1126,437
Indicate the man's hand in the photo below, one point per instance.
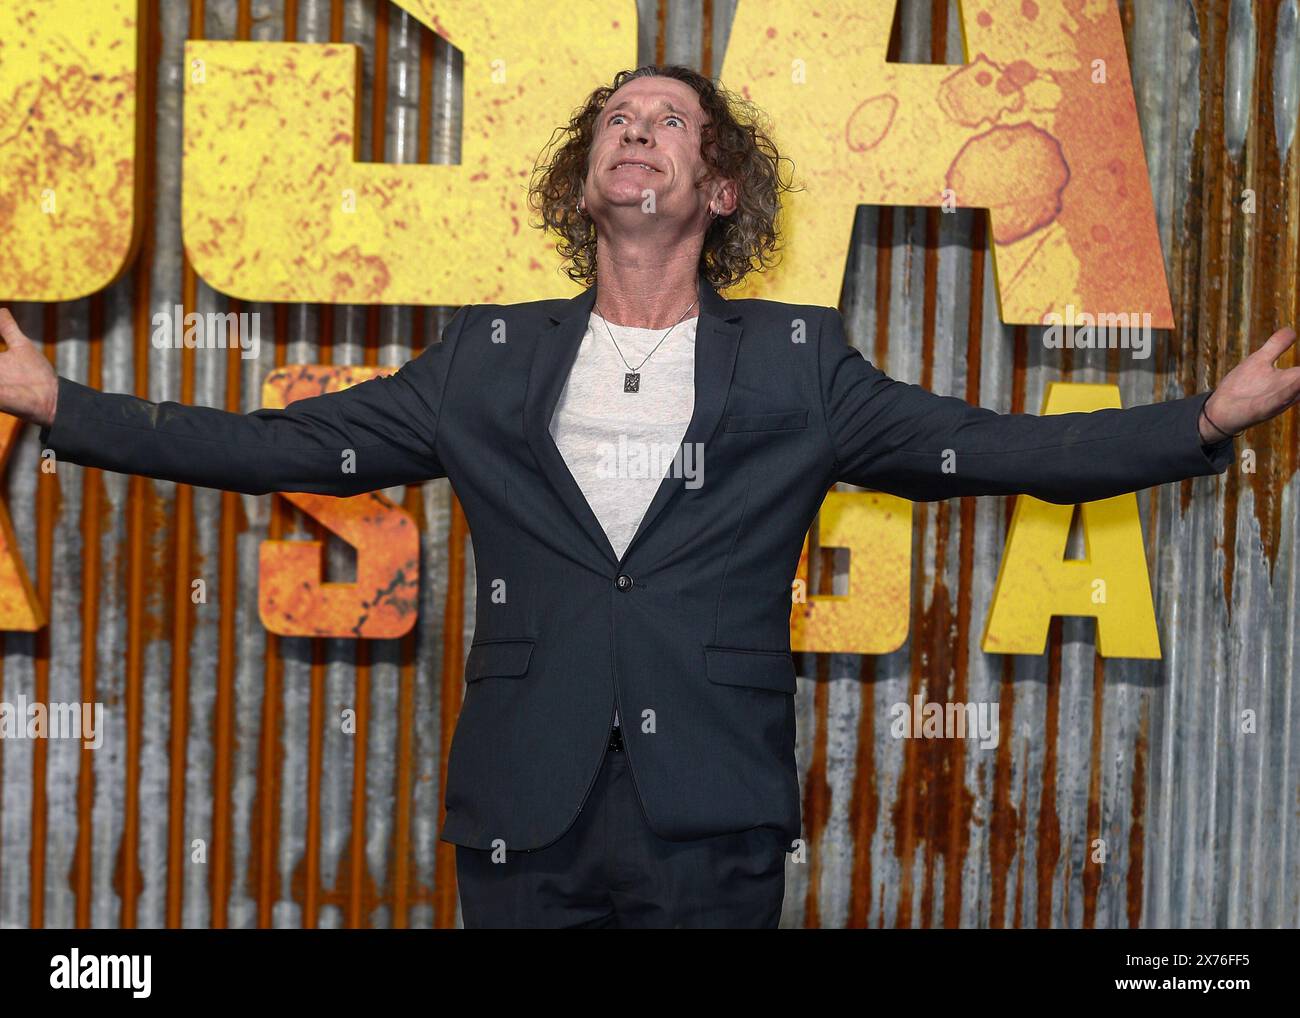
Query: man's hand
1252,392
29,388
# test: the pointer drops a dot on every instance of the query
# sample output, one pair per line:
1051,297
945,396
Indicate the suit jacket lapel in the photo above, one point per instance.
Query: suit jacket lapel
717,338
553,358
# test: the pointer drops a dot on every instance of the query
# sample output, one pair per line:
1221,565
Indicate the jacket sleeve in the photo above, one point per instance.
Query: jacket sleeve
390,423
902,439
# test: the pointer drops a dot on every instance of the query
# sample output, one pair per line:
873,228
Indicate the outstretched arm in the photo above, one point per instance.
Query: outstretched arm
902,439
388,425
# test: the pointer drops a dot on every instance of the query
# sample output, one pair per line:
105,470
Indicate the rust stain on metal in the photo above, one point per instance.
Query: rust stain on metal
1091,875
1137,816
1261,241
1049,823
1004,819
949,804
866,800
1209,214
817,792
453,672
400,889
265,818
46,498
94,509
959,831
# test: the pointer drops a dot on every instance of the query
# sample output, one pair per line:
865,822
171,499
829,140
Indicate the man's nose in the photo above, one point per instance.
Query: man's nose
635,130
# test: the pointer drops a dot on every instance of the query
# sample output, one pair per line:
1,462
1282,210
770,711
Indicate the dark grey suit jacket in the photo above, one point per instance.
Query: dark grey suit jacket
689,633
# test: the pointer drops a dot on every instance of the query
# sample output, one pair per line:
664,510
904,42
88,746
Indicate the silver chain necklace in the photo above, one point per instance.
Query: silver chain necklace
632,378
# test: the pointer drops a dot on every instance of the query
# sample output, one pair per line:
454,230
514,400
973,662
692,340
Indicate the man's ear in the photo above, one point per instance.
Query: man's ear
726,198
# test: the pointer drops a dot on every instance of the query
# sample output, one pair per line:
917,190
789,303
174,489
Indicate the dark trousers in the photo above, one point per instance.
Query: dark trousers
609,870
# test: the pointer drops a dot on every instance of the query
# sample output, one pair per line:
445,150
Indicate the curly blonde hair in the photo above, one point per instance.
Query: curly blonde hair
734,145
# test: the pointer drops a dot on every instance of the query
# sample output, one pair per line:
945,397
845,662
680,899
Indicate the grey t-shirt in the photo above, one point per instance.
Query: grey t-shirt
619,445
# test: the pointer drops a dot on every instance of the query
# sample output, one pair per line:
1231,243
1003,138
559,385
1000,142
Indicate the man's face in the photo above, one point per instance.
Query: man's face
647,138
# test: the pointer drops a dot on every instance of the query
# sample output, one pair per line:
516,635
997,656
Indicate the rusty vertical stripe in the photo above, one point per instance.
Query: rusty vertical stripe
661,34
1286,250
1091,876
1009,815
357,876
45,513
400,879
183,552
959,822
1260,243
816,790
221,850
223,734
453,666
92,495
415,497
127,879
865,806
1218,183
1137,817
957,835
265,825
311,890
706,39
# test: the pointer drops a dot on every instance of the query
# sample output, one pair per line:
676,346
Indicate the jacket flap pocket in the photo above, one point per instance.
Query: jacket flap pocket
498,657
766,422
761,669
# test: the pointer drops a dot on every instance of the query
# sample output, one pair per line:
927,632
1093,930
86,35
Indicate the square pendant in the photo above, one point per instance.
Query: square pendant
632,381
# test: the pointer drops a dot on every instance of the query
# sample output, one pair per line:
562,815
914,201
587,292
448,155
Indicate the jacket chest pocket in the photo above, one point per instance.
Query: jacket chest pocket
755,669
507,658
786,420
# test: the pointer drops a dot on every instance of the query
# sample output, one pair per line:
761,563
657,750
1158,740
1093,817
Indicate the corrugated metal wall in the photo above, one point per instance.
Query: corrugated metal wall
220,733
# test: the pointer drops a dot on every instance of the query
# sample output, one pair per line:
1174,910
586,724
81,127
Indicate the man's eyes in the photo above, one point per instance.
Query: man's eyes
669,117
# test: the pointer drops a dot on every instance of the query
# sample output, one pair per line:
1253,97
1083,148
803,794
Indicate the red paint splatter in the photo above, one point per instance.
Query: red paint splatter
870,122
978,176
1016,76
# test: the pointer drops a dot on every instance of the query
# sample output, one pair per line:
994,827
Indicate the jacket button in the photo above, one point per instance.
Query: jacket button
624,582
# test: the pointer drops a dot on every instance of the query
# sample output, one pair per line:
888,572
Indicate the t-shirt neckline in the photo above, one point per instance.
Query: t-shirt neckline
637,328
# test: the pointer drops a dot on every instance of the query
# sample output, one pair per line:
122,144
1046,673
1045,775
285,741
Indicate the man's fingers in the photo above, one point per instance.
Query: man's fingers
1277,344
9,329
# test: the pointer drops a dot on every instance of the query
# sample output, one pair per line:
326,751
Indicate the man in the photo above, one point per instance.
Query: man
625,752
